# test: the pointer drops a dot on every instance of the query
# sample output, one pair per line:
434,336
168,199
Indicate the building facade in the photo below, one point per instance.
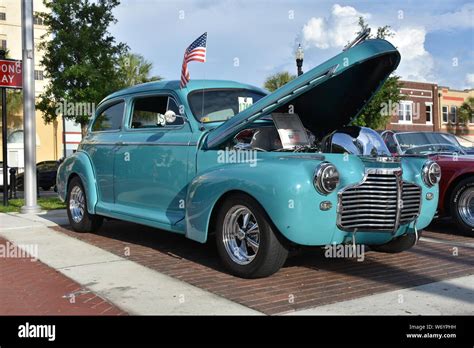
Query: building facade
49,144
419,109
449,121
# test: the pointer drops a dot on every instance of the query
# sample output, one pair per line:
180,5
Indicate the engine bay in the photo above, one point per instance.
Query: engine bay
286,133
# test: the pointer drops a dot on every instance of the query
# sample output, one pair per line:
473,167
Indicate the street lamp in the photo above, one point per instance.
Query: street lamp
299,59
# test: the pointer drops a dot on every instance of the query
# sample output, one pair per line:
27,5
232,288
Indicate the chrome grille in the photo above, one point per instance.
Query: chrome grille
411,198
371,205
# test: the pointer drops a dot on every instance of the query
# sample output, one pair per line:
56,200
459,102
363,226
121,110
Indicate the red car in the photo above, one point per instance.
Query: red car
456,190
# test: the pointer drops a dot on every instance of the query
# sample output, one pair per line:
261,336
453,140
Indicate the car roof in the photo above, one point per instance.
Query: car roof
174,85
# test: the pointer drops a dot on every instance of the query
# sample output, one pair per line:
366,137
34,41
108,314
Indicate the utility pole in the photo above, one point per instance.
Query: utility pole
29,117
4,140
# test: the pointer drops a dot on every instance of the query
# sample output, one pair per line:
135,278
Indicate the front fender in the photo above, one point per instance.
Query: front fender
79,164
282,196
412,168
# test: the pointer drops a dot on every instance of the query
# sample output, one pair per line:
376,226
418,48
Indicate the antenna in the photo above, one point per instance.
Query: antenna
361,37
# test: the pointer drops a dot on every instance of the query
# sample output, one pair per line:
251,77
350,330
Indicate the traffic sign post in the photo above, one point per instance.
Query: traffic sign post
10,77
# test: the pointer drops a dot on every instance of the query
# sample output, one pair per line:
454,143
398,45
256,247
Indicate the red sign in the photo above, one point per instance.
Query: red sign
10,73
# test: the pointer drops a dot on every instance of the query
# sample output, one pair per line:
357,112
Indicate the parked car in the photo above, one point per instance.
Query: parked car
182,159
46,176
456,198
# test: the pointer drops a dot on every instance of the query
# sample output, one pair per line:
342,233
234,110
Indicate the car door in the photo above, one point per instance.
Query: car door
151,163
100,144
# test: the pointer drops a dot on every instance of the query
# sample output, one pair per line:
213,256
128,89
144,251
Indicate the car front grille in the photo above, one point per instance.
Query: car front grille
372,204
411,196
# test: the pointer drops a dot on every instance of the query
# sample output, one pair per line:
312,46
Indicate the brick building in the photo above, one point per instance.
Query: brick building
419,111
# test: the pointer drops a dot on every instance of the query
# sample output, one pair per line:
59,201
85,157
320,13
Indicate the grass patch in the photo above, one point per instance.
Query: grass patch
46,203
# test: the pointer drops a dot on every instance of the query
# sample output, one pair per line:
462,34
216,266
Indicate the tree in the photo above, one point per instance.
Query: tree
135,69
378,111
466,111
81,57
275,81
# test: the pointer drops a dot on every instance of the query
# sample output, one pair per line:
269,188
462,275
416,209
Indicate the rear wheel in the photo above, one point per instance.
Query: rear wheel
462,206
79,218
246,240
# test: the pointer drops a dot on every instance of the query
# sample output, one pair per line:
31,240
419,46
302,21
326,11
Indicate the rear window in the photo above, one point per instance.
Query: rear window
218,105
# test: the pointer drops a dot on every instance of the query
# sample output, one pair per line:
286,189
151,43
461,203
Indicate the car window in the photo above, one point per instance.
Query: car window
109,119
390,141
149,112
221,104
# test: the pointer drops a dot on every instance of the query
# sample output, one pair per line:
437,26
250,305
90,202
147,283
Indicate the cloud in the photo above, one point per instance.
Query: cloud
417,63
341,26
334,31
470,80
461,19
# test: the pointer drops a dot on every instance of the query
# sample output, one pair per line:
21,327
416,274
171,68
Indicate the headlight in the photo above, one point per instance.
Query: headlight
326,178
431,173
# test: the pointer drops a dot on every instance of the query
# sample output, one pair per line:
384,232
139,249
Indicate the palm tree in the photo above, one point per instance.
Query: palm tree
275,81
466,111
135,69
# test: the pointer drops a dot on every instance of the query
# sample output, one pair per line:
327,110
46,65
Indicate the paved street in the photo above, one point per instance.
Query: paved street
147,271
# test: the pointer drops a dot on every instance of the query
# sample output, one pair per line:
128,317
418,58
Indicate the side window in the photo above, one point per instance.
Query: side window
149,112
110,118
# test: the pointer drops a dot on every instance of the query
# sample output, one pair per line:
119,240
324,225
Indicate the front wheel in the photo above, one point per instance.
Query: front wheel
79,218
462,206
246,240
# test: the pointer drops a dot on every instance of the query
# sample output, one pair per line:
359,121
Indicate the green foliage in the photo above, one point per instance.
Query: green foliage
135,69
275,81
81,57
46,203
466,111
378,111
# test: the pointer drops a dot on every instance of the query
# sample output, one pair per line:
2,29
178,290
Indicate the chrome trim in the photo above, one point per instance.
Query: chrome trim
317,182
425,173
364,203
141,143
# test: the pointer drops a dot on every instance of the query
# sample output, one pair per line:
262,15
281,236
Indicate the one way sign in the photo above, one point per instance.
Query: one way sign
10,73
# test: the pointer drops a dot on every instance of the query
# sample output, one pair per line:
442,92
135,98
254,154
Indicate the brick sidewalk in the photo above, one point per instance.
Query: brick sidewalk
31,288
305,281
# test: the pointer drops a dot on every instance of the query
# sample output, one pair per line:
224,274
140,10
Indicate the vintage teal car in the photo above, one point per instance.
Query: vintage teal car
260,172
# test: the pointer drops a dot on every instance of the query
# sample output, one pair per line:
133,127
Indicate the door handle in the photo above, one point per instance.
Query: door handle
119,143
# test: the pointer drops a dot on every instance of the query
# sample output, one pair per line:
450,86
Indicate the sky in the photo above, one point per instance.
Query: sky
249,40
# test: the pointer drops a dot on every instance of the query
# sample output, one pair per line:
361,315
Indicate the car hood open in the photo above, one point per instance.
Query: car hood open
327,97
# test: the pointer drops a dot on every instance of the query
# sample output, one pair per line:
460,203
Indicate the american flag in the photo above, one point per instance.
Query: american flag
196,52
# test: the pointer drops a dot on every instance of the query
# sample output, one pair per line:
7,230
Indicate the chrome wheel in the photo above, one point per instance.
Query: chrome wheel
241,235
466,206
77,204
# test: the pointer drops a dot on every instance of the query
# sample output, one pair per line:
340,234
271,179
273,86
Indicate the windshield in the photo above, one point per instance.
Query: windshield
434,148
444,142
220,104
